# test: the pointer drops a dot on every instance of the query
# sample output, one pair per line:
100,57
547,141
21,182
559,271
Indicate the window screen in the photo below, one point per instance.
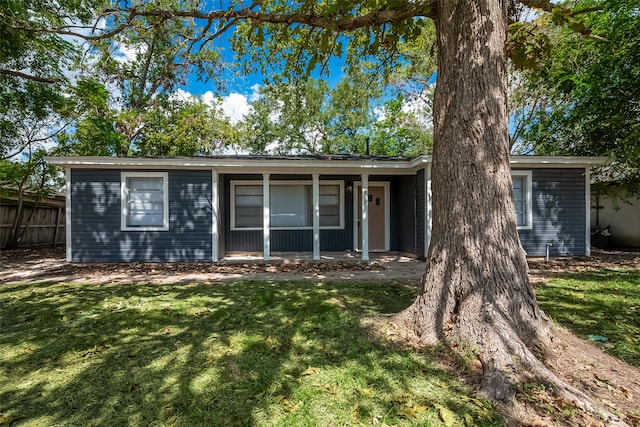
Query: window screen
291,206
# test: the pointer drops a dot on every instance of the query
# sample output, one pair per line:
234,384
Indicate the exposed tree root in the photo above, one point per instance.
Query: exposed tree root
506,361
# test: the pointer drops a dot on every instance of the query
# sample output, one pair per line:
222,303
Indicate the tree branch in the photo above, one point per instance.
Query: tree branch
341,24
587,10
544,5
30,76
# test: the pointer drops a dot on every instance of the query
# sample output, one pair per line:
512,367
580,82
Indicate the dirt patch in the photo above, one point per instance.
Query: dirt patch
540,269
49,264
613,384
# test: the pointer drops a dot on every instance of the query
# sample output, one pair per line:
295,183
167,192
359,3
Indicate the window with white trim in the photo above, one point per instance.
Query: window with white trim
144,198
290,204
522,198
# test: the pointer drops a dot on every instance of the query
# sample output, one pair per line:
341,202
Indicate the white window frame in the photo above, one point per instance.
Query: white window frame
124,199
528,189
284,182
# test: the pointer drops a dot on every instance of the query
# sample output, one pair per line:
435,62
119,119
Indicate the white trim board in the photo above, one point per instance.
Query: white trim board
291,165
67,208
215,216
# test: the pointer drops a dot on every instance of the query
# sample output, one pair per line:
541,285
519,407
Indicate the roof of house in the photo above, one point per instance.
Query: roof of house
338,163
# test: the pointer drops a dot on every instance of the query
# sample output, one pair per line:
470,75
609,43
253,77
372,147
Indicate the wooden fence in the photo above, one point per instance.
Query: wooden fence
46,227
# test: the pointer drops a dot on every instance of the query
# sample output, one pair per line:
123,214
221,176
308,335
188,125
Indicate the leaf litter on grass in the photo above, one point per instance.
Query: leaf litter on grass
201,353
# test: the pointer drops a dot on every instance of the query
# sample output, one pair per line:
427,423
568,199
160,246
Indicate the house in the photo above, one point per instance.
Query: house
615,218
207,208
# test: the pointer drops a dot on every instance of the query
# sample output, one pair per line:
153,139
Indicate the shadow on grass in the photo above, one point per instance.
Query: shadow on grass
244,353
604,303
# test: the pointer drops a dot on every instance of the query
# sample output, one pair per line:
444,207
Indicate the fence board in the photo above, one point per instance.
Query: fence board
47,225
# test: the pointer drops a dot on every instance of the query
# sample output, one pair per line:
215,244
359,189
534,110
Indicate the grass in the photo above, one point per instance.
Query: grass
604,303
209,354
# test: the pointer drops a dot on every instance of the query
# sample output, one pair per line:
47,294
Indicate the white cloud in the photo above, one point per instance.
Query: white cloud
209,99
235,105
128,53
415,107
379,113
255,92
182,95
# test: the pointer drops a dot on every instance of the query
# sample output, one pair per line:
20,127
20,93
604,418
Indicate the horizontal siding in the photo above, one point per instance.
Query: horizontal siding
95,220
558,218
559,213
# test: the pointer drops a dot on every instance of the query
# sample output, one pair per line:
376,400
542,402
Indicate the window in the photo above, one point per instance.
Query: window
144,201
331,205
522,198
290,205
248,206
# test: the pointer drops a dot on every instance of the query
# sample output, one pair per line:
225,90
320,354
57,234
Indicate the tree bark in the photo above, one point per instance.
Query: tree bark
476,296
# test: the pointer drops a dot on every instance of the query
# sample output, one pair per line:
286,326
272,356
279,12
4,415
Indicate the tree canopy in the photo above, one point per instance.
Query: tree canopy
307,116
475,293
587,92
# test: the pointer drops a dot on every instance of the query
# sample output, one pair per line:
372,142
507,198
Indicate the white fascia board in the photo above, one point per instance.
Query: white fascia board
306,166
421,162
239,165
558,161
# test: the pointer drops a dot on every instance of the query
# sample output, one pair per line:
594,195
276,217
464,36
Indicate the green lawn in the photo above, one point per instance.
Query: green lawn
210,354
603,303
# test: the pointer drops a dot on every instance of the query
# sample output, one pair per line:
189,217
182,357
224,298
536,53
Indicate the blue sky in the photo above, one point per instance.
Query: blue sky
241,89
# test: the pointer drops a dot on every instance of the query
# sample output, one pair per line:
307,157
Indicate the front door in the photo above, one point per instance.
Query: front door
378,234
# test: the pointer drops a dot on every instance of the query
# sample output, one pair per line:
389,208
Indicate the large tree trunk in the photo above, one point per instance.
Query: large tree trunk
476,293
476,290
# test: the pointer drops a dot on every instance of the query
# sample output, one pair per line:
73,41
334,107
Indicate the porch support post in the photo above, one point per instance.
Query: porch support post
316,216
364,226
67,214
427,209
266,217
587,202
215,215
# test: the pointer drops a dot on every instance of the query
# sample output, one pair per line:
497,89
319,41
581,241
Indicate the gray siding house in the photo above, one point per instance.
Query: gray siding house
207,208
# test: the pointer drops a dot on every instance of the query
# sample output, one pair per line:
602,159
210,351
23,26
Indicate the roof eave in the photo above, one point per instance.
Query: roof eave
289,165
237,164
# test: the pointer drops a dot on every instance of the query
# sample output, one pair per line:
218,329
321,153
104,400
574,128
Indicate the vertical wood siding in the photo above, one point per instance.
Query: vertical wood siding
558,213
95,220
403,214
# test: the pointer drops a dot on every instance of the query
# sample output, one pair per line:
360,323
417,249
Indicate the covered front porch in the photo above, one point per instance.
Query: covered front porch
284,215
